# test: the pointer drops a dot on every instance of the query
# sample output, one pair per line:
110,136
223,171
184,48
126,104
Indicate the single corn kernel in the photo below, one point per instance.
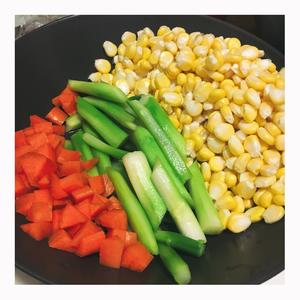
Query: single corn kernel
268,170
265,110
202,91
279,142
142,87
102,65
265,136
241,162
224,216
172,72
246,176
257,195
255,213
218,176
254,165
181,79
184,60
276,95
240,207
207,106
173,99
252,97
223,131
174,120
110,48
226,153
229,162
212,63
279,200
273,214
238,97
226,202
278,119
271,157
233,43
161,81
235,145
142,40
252,146
248,203
216,95
230,179
249,112
263,182
163,30
249,52
217,189
255,82
278,187
215,144
108,78
265,199
206,172
131,51
272,129
185,119
128,37
244,67
95,77
123,85
238,222
204,154
171,47
182,40
121,49
214,119
216,163
193,108
221,103
165,59
198,139
246,189
280,172
226,111
248,128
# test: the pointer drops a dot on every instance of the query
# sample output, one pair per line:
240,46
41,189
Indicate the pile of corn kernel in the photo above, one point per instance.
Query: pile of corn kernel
228,103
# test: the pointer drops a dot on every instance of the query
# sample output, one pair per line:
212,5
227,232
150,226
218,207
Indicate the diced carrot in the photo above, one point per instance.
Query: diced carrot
88,164
84,207
44,182
116,218
20,139
69,167
59,129
24,202
97,184
43,127
111,250
82,193
87,229
59,203
36,140
40,212
136,257
120,233
114,203
72,182
98,204
90,244
35,119
56,116
28,131
56,215
20,187
68,155
61,240
47,151
55,188
109,187
55,140
43,195
74,229
35,166
71,216
37,230
56,101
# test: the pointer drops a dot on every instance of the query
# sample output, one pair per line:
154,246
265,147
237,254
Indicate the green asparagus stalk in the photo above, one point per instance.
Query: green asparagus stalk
68,145
136,214
100,90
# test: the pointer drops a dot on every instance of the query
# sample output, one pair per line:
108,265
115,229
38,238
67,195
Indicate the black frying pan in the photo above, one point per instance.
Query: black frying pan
45,59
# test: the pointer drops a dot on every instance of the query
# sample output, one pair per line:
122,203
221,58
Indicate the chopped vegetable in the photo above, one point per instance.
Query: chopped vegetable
90,244
136,215
38,230
175,264
161,138
178,208
68,145
100,90
116,219
57,116
71,216
139,173
73,122
61,240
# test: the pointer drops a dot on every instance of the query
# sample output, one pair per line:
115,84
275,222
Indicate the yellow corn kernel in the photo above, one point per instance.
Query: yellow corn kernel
238,222
248,203
121,49
265,110
216,163
238,97
181,79
257,195
142,87
272,129
108,78
167,108
154,57
226,201
255,213
233,56
249,52
146,52
123,85
240,207
198,139
216,76
245,67
263,181
235,145
206,172
185,119
165,59
221,103
95,77
142,40
248,128
279,200
252,97
178,112
128,37
276,95
252,146
204,154
173,99
110,48
216,95
215,144
174,120
214,119
225,110
241,162
224,216
249,112
278,187
172,71
202,91
131,51
240,135
273,214
280,172
218,176
265,199
226,153
161,81
102,65
271,157
268,170
229,162
265,136
233,43
230,179
223,131
212,63
217,189
279,142
279,83
184,60
245,189
267,77
163,30
255,82
171,47
278,119
246,176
